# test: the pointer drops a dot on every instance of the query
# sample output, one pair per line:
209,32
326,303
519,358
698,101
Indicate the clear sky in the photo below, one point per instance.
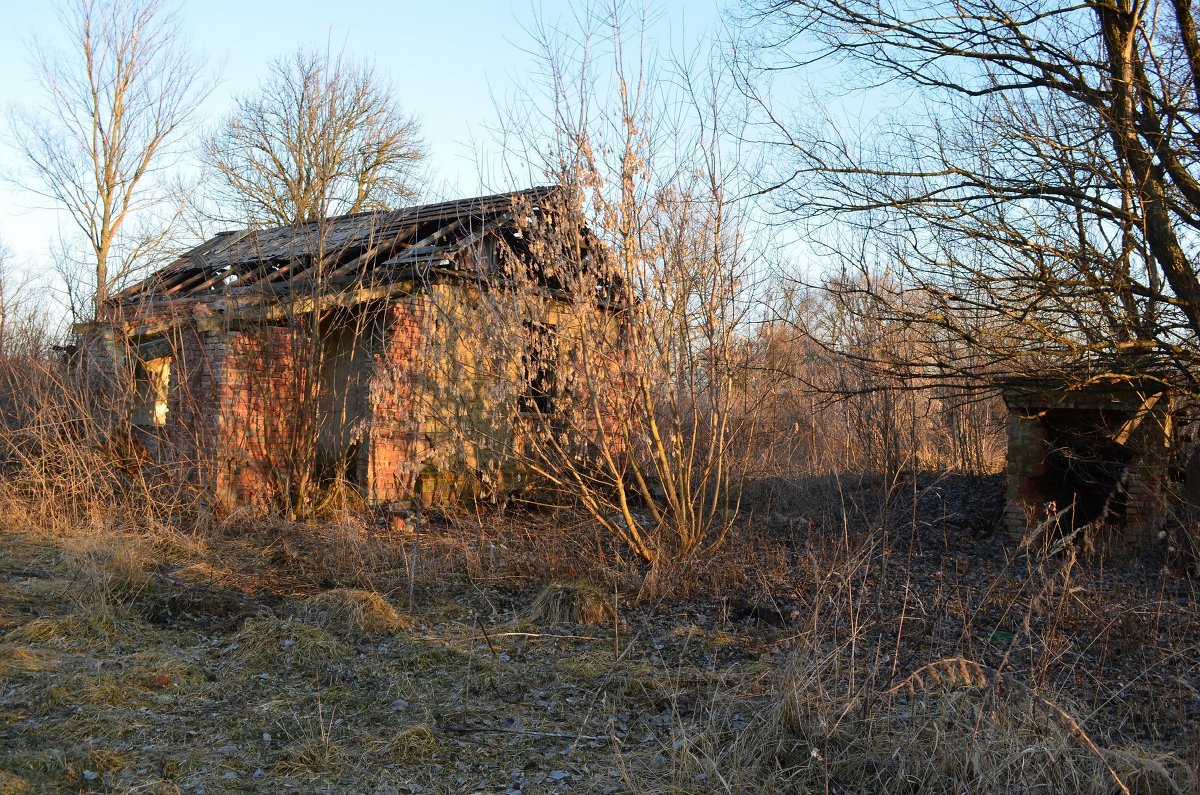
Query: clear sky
449,62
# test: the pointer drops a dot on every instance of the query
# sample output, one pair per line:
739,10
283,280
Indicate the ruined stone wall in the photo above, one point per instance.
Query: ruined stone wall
232,405
1142,488
241,421
482,420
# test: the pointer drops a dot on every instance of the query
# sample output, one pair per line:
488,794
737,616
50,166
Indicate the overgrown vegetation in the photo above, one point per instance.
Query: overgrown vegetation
865,652
758,553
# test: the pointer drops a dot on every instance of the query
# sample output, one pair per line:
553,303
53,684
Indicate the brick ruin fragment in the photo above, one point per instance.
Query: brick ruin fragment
1100,455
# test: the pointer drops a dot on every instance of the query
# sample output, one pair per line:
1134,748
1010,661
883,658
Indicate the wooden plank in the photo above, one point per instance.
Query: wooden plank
189,285
1134,422
154,348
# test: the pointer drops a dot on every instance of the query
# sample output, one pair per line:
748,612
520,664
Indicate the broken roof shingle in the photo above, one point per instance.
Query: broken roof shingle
351,245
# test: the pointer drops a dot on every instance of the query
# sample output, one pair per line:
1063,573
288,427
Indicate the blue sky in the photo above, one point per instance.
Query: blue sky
449,63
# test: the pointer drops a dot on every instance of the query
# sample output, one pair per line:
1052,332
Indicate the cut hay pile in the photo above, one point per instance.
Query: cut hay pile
16,659
572,603
314,755
270,645
13,785
98,625
407,746
353,613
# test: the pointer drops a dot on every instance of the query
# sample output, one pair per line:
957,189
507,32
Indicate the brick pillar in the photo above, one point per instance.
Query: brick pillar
394,412
1147,481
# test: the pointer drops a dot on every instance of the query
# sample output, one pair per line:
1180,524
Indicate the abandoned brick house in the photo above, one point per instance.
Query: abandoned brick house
315,344
1098,454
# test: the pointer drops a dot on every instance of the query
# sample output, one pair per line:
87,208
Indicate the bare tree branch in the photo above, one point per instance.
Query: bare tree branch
323,136
116,102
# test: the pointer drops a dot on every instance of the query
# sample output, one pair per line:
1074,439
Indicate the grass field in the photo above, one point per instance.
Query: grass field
514,654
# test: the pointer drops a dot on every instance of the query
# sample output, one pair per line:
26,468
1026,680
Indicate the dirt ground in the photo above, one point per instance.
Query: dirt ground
345,659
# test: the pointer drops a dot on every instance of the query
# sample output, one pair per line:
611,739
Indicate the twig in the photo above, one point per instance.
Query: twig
533,635
550,635
483,629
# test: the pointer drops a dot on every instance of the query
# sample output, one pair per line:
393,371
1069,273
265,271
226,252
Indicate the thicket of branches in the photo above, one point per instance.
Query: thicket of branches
1034,214
1030,204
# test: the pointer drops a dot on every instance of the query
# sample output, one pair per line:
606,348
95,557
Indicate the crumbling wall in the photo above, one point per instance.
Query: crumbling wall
507,370
187,441
1101,455
231,408
391,457
260,410
437,410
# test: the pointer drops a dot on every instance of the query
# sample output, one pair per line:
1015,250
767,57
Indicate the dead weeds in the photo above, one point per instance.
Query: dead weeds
572,603
251,660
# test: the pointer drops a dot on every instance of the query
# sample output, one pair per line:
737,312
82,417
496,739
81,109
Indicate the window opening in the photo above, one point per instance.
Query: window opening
153,386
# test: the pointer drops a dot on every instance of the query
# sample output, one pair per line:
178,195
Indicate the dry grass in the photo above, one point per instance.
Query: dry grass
108,570
18,659
315,755
956,726
202,574
98,626
464,693
407,746
13,785
315,750
270,645
571,603
951,739
353,613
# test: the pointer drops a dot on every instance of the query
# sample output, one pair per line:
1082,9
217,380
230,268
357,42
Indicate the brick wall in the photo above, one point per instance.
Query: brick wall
238,403
1142,487
1026,461
233,412
187,440
392,456
239,419
264,423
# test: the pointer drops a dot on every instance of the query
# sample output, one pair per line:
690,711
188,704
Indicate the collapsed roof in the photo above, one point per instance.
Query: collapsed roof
370,248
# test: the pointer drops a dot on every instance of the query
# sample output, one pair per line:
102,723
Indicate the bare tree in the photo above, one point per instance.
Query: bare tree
1036,200
323,136
116,101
